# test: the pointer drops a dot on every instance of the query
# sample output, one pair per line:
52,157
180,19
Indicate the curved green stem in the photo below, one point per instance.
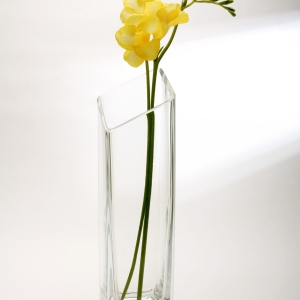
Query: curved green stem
167,46
148,181
216,2
149,167
144,218
145,213
186,6
155,69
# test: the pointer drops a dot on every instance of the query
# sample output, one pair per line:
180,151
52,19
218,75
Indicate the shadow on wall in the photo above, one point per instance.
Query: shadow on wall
241,241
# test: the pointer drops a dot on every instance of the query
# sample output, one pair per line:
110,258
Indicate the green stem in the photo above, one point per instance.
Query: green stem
149,166
144,220
216,2
155,68
148,181
147,199
184,7
148,85
167,46
136,250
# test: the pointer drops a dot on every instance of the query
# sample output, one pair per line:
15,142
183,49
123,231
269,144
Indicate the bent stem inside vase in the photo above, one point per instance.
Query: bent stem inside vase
144,219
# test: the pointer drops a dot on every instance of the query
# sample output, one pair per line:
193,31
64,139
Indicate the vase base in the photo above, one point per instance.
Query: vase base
147,295
143,298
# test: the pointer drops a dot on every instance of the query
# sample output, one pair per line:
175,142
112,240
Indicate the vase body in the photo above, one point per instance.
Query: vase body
123,132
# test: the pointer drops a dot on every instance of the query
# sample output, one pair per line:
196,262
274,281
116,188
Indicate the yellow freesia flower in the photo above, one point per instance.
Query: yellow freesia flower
146,23
132,7
138,43
169,15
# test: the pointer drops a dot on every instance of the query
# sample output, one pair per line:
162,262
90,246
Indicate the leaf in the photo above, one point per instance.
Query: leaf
229,8
184,2
231,11
225,2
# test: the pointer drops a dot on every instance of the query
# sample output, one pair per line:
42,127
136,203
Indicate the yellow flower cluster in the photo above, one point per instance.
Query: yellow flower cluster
146,22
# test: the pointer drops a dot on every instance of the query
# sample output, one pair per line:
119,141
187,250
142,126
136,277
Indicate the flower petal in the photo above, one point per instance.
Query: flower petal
173,14
135,19
126,13
150,25
133,59
148,51
151,8
162,14
182,18
169,16
137,5
125,37
132,4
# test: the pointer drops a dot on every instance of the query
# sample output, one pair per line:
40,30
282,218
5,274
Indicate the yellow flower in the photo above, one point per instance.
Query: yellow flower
168,14
146,23
132,7
137,42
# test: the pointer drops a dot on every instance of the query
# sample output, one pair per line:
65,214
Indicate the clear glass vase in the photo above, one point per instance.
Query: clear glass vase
125,128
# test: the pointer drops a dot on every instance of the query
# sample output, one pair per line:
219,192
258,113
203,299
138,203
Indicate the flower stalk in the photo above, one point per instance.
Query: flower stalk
146,23
144,218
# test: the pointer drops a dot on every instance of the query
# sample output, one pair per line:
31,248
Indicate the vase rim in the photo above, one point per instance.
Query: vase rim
171,98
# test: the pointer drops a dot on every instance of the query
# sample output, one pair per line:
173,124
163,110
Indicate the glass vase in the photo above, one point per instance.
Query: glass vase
137,236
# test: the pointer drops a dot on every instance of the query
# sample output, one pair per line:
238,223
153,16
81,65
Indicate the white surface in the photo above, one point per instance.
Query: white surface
238,141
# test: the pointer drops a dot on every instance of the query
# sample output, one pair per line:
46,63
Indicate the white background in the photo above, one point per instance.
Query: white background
237,82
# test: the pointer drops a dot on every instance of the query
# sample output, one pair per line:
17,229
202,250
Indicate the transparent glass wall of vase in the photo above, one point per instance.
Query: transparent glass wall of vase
123,131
